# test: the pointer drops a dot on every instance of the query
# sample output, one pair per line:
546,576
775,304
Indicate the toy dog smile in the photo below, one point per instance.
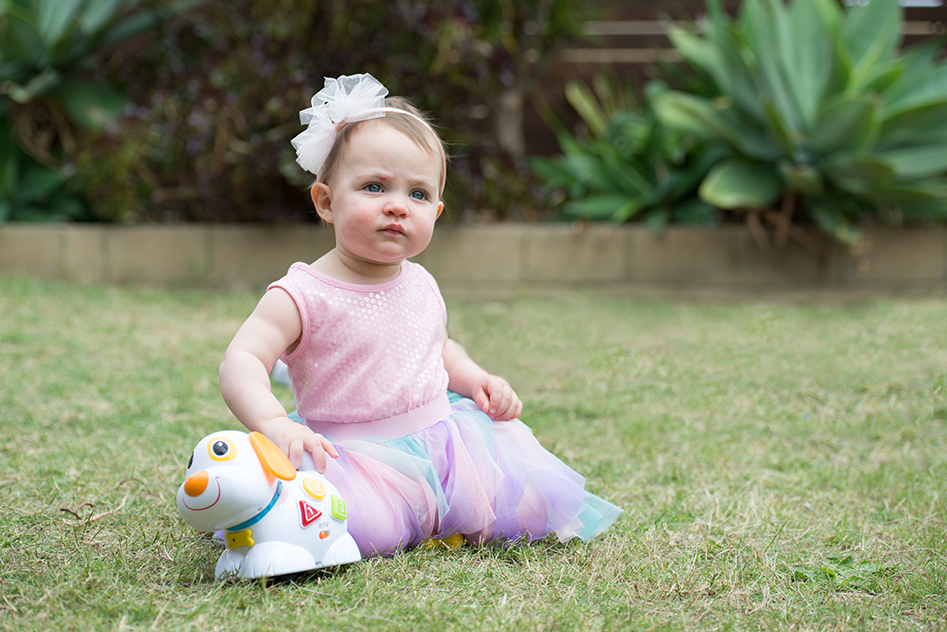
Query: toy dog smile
276,521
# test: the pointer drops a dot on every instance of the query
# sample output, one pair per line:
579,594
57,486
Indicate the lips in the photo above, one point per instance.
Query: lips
394,229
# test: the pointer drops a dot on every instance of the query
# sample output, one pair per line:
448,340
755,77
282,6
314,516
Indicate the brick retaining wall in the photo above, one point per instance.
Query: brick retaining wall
504,256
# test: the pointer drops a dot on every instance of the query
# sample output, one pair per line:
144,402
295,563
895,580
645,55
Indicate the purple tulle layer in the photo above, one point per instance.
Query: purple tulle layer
466,475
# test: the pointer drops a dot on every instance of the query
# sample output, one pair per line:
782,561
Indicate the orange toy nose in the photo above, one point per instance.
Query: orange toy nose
196,483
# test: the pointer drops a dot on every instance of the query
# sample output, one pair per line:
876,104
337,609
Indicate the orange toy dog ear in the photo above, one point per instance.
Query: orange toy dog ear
272,458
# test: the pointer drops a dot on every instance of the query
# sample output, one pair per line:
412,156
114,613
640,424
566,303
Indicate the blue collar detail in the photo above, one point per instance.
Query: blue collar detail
255,519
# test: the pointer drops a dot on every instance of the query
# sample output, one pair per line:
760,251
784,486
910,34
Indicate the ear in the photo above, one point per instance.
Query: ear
322,200
272,458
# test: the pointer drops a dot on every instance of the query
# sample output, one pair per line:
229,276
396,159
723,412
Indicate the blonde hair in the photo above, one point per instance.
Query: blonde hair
412,123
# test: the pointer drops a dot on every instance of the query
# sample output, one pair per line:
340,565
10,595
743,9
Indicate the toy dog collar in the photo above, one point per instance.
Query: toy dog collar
255,519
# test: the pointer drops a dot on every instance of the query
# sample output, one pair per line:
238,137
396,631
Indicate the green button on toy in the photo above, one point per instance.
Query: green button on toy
338,508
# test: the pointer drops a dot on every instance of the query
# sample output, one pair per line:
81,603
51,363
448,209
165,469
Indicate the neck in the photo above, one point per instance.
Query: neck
343,266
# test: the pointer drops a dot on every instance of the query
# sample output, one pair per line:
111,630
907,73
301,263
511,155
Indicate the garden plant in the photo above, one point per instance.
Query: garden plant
780,463
216,97
49,95
625,164
822,113
788,113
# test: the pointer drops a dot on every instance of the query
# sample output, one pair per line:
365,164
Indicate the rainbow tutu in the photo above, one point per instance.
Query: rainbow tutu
466,474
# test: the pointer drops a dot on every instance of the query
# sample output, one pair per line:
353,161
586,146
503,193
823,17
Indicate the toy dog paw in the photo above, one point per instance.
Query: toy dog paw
276,520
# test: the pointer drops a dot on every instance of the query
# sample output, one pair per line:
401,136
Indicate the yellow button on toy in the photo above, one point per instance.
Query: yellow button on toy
239,538
314,488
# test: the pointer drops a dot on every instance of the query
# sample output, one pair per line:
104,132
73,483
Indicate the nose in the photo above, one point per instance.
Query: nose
396,206
196,483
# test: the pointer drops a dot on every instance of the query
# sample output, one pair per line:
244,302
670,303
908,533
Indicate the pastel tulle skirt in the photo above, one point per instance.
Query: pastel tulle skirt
467,475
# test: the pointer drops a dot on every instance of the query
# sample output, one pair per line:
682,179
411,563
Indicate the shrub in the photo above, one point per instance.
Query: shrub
218,95
819,111
48,97
626,165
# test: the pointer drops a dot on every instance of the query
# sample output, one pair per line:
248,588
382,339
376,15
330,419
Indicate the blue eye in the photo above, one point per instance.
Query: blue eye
419,195
373,188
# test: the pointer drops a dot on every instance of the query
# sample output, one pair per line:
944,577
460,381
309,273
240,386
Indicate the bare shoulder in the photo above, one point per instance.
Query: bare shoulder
278,308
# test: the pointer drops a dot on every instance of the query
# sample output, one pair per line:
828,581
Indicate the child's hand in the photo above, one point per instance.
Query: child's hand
497,398
294,439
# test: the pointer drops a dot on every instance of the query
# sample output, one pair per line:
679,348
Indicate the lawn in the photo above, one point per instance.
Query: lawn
782,465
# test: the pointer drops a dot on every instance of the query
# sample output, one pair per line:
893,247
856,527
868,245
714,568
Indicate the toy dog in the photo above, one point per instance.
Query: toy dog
276,521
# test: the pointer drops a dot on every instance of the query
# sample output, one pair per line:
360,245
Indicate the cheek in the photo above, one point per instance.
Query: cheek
426,226
356,217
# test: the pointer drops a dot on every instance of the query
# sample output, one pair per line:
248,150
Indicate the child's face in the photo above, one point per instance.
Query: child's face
384,196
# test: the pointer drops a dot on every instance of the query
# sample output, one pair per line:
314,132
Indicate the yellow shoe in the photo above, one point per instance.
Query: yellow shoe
450,543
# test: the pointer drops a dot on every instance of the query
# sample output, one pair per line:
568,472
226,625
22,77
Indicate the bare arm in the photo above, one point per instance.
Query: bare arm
272,328
492,393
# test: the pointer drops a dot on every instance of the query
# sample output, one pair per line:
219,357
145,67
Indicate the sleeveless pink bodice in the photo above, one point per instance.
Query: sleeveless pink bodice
367,352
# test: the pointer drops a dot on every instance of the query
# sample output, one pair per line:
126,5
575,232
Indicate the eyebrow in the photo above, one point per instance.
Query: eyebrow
428,182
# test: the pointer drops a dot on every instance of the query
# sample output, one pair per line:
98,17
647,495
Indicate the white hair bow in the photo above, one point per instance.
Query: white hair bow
342,101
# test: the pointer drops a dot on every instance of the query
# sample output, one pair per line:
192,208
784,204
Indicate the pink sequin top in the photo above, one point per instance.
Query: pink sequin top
367,352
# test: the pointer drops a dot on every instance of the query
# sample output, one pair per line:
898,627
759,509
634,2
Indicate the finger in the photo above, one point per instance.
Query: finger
316,444
499,401
504,412
483,400
495,393
511,408
514,410
296,453
314,447
328,446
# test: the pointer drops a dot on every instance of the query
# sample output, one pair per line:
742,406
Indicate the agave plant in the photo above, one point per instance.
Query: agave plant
626,165
49,50
819,110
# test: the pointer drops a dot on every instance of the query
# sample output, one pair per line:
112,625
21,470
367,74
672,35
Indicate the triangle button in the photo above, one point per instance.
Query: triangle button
308,514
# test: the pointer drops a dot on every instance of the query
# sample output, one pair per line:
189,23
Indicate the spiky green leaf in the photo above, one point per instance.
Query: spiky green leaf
857,172
596,206
55,19
804,178
846,123
584,102
90,104
918,162
834,223
19,36
738,184
872,33
697,116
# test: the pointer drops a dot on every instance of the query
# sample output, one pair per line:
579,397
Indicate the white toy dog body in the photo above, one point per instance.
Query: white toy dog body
276,522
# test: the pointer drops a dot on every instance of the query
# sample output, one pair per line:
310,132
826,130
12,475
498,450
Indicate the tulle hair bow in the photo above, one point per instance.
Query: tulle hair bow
341,101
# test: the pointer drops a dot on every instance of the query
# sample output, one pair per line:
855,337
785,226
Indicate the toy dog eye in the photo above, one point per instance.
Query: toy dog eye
190,461
222,450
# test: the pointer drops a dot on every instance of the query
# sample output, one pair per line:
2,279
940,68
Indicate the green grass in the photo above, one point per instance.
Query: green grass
782,465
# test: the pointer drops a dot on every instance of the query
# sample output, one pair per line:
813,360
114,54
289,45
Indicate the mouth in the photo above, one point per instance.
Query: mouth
393,229
184,502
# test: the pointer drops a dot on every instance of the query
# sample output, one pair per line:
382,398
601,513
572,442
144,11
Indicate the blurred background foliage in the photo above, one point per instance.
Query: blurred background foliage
804,112
624,164
786,114
213,96
50,96
821,112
